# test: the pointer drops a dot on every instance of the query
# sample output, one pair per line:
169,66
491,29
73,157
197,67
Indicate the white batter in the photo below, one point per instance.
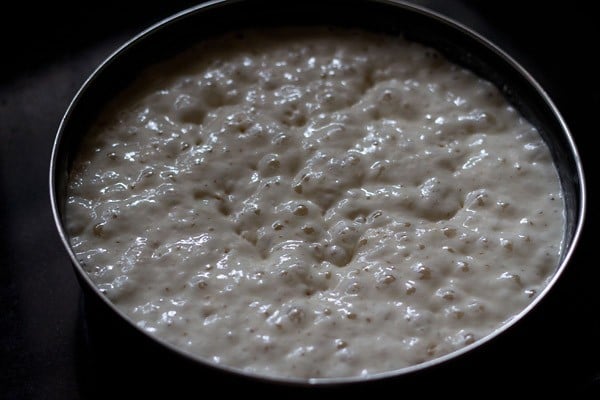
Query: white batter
315,203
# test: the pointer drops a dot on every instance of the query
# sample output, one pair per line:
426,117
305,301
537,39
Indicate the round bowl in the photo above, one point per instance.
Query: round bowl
458,43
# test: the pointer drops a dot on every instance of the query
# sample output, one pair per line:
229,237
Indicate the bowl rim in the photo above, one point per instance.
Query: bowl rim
409,7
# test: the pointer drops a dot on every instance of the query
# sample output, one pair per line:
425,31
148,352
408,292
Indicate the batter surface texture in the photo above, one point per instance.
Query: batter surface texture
315,203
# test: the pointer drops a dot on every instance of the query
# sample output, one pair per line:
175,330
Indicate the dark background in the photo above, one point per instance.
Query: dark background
49,348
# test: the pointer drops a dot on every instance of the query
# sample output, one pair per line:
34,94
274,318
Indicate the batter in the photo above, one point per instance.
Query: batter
312,203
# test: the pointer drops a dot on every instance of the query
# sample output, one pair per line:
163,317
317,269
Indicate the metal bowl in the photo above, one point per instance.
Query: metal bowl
456,42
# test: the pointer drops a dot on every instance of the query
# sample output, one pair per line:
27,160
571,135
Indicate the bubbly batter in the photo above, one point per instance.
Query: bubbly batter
315,203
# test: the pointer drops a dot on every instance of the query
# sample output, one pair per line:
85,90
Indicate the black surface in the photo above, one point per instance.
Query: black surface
50,349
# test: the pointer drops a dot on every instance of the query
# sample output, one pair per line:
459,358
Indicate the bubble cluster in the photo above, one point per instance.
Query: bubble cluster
315,203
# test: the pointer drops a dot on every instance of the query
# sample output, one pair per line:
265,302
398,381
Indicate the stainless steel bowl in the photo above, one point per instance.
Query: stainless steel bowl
458,43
